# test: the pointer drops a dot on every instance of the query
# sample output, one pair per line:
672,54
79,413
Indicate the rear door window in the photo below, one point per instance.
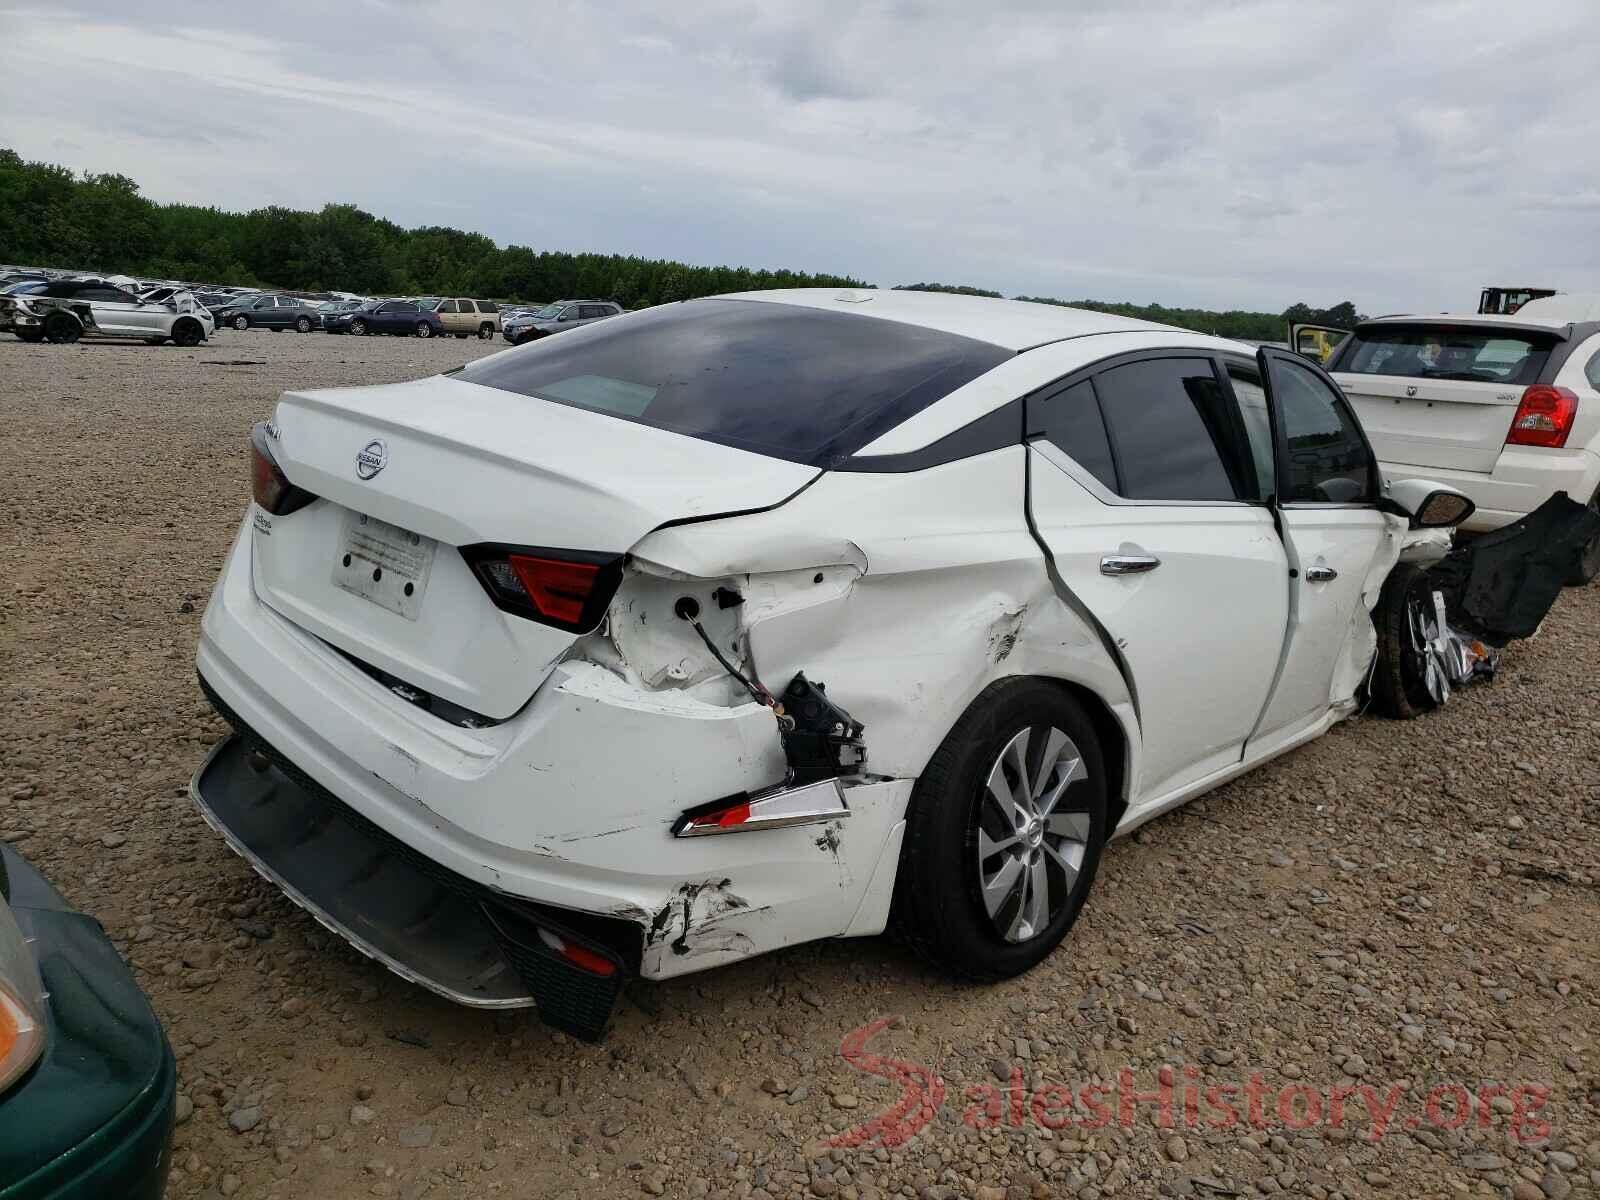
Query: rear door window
1472,355
487,306
793,382
1175,432
1070,420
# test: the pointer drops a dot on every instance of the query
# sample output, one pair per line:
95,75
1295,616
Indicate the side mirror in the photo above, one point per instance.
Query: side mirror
1425,504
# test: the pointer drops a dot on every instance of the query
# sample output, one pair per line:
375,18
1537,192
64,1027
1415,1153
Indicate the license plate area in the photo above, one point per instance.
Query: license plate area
384,563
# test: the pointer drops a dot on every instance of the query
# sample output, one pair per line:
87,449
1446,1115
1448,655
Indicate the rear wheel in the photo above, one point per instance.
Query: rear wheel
1589,561
1005,831
424,330
241,322
188,333
303,324
59,327
1403,617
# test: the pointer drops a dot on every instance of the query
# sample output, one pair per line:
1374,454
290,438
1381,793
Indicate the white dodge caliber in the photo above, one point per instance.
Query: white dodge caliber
739,622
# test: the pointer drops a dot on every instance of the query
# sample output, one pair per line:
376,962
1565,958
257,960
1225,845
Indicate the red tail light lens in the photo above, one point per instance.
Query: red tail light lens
569,589
1544,418
268,484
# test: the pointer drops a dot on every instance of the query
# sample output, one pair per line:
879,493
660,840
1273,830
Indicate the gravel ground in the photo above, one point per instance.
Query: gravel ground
1397,906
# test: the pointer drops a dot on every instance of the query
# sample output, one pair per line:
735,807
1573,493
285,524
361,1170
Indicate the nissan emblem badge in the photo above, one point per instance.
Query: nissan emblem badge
372,458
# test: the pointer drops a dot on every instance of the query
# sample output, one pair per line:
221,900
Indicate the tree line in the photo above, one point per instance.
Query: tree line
50,216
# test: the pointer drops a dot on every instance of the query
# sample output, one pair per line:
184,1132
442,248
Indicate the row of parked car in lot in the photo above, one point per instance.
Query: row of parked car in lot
40,307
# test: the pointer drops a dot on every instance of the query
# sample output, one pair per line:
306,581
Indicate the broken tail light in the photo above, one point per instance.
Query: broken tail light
1544,417
567,589
268,484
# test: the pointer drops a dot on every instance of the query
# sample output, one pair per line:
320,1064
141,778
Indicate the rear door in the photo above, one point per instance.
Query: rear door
115,311
1143,485
1440,394
1328,488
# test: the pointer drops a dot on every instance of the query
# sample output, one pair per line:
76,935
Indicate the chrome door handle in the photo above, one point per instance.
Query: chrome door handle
1128,564
1321,574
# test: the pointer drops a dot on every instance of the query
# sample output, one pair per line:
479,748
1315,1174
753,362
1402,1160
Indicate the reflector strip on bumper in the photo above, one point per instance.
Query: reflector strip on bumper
774,808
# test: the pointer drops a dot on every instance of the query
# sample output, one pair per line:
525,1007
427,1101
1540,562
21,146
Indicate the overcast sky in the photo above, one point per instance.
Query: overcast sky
1215,154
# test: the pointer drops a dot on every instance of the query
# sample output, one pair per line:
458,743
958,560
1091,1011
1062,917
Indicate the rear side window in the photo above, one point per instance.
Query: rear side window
797,383
1593,372
1070,420
488,306
1442,352
1175,431
1326,460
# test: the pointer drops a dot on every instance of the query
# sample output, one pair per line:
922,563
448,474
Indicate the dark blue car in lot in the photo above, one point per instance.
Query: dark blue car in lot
88,1087
405,317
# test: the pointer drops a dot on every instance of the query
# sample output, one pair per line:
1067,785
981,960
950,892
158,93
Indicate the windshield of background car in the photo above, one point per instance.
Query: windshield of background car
1508,356
548,313
788,381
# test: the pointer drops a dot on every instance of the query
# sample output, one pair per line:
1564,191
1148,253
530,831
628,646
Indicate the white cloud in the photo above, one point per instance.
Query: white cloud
1250,154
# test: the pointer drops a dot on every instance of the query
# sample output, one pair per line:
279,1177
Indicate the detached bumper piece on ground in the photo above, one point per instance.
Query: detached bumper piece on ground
93,1117
423,922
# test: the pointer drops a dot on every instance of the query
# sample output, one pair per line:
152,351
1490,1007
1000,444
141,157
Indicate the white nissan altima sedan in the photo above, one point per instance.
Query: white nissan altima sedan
744,621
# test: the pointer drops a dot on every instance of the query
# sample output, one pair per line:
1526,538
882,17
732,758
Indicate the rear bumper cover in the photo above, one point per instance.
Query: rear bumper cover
426,924
1524,477
569,804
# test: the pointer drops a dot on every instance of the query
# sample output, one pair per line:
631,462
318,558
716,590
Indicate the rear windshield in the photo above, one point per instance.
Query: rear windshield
797,383
1440,352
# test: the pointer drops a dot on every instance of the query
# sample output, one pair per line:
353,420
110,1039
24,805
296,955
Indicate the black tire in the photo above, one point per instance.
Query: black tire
1588,565
188,333
241,322
359,328
485,331
62,329
939,907
303,324
424,330
30,334
1399,680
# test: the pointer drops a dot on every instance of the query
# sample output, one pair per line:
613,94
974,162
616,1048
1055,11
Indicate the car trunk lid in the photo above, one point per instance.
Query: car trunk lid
441,464
1433,422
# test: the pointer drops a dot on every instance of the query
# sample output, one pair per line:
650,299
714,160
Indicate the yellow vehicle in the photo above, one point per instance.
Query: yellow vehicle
1316,342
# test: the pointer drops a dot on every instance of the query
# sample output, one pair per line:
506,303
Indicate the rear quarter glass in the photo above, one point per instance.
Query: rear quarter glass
790,382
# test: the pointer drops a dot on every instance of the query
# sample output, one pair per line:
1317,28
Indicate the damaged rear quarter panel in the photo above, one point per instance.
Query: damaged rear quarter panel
955,595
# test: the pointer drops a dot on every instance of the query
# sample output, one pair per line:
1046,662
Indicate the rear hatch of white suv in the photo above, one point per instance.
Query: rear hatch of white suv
1448,393
457,534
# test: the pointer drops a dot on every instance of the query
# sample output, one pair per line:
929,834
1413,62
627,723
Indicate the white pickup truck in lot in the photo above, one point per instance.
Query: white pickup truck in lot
1505,408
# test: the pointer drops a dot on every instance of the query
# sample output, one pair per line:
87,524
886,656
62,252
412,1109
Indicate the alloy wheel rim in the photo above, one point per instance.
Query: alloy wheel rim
1031,838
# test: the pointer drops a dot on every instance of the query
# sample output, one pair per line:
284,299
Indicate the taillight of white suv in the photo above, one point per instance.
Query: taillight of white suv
1544,417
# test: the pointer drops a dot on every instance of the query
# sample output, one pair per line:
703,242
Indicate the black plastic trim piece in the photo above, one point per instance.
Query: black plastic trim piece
995,430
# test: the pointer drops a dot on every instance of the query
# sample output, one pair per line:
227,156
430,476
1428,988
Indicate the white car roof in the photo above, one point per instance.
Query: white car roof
1014,324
